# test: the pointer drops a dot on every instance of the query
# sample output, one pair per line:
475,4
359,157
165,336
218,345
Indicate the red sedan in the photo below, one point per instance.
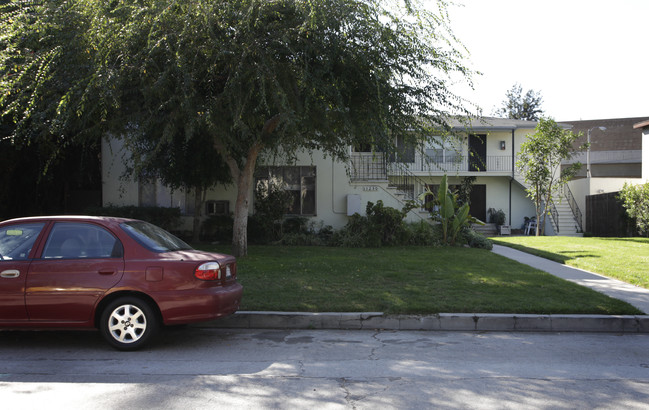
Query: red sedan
123,276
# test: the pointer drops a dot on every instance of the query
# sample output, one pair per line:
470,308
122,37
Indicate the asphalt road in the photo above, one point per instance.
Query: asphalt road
195,368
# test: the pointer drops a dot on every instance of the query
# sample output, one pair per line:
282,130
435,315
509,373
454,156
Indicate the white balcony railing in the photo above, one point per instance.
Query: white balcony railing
368,166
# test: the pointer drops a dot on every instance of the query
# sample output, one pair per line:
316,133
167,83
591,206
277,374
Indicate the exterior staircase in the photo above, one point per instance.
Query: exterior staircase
565,219
565,215
487,229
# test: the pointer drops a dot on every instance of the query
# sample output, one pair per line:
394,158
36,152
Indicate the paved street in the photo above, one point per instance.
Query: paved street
192,368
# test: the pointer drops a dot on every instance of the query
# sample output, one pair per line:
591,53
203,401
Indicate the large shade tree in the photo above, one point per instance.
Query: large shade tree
251,76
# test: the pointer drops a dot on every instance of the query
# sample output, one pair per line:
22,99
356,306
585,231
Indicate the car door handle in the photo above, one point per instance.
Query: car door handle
10,273
107,272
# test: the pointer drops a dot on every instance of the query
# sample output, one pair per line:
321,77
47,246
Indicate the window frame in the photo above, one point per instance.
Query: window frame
306,179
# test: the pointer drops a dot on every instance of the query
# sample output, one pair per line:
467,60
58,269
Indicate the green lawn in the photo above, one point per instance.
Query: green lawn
412,280
626,259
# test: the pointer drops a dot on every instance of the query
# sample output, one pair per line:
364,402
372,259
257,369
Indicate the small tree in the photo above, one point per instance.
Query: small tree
539,162
521,107
448,212
636,202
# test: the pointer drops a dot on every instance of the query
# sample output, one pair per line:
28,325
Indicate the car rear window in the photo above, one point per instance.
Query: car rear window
153,238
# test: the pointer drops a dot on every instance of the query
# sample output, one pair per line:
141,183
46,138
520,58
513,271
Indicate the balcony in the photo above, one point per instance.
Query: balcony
375,167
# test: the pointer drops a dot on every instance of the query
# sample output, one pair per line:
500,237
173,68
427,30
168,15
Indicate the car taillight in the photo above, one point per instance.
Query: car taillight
208,271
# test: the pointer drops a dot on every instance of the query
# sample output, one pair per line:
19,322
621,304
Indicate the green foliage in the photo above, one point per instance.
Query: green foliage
446,210
464,190
539,162
217,228
385,222
166,218
382,226
477,240
271,203
423,234
250,75
497,217
636,202
298,232
521,107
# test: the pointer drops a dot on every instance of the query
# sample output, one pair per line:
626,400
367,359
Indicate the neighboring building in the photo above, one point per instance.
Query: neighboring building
643,126
615,147
330,191
615,157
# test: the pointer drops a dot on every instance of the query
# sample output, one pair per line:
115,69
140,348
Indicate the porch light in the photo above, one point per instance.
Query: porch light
502,145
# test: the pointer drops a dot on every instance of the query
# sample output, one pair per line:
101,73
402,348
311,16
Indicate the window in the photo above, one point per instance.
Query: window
153,238
71,240
16,241
442,155
300,182
217,208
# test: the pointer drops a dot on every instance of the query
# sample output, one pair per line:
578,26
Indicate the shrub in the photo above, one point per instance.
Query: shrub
423,234
635,200
385,222
383,226
355,234
271,203
298,232
497,217
477,240
217,228
295,225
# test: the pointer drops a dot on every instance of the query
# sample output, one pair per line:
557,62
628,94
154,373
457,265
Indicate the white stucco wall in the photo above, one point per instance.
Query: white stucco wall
333,185
115,190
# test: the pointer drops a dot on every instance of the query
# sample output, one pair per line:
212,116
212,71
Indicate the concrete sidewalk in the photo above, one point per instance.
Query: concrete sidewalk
634,295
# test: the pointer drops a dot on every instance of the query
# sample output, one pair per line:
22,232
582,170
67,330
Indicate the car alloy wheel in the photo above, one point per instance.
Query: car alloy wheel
128,323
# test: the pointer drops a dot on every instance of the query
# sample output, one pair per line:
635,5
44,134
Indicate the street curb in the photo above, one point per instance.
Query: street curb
441,322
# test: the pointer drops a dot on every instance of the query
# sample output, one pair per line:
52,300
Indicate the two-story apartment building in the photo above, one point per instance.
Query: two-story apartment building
327,190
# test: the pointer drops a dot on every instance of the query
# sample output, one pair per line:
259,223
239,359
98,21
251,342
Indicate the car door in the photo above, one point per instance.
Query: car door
78,264
16,249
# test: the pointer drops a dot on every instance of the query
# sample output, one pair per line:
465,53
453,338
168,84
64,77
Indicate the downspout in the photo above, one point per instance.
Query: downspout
511,180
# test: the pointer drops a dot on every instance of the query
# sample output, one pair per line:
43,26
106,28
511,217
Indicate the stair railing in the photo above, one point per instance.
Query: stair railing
576,212
555,215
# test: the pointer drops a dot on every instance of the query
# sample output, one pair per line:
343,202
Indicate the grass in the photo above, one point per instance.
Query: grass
625,259
412,280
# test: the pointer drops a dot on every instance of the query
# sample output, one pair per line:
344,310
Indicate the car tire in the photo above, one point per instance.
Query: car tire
128,323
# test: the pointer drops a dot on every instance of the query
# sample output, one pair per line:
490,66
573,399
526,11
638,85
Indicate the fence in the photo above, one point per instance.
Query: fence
605,216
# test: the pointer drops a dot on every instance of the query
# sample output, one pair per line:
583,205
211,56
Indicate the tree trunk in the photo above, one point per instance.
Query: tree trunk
244,178
241,210
538,204
198,205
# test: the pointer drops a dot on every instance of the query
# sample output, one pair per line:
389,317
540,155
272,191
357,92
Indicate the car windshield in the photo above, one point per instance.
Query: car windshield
153,238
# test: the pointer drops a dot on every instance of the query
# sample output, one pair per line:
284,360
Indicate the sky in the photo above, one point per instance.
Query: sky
589,59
